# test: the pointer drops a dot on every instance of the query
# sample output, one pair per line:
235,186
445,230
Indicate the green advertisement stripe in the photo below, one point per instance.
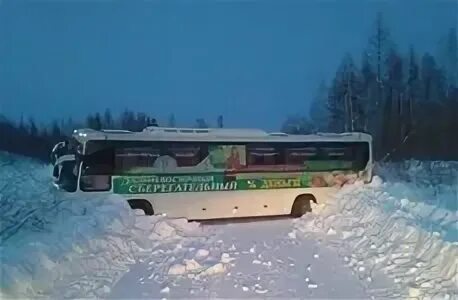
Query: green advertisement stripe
204,183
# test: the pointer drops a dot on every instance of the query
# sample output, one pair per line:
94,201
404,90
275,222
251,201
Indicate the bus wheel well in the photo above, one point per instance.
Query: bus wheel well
142,204
302,205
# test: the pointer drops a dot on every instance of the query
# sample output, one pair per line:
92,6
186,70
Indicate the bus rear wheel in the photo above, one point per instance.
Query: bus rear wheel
141,204
302,205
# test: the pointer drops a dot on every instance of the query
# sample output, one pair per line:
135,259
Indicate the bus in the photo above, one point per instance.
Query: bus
212,173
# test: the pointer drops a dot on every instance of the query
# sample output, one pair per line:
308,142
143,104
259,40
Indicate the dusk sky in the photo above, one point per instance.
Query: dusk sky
255,62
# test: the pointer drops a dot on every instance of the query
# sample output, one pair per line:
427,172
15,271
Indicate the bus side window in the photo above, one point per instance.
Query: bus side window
360,155
129,159
336,152
300,154
186,154
264,155
97,170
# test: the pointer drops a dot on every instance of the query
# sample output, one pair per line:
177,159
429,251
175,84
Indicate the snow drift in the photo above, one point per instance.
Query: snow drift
432,182
57,244
372,238
428,191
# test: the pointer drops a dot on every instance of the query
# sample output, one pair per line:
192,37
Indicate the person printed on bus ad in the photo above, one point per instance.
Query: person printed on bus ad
233,161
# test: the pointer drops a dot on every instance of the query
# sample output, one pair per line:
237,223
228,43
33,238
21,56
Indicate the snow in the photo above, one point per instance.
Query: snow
59,244
428,191
202,253
263,272
393,238
371,236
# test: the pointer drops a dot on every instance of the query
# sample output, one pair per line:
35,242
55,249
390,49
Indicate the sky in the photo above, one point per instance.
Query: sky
254,62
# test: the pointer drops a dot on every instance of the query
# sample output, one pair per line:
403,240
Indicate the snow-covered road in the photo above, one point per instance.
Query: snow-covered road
255,258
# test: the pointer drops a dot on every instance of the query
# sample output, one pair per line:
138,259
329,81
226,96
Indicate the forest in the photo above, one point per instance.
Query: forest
28,139
407,101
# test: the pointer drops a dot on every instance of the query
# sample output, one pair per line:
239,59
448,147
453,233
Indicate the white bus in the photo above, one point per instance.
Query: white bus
212,173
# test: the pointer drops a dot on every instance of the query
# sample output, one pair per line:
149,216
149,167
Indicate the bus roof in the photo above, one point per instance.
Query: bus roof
213,135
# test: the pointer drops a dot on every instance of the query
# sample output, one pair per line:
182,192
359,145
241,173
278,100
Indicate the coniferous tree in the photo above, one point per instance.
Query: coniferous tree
33,130
108,119
22,128
97,122
141,122
201,123
448,59
335,108
378,50
297,125
319,113
171,122
392,118
219,121
90,121
412,87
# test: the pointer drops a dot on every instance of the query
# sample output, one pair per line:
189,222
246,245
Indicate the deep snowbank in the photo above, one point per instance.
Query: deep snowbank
60,245
371,239
433,182
428,191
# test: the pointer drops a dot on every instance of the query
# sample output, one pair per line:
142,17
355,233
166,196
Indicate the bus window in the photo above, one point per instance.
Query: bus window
337,153
129,159
300,155
97,170
360,155
95,183
341,156
186,154
264,155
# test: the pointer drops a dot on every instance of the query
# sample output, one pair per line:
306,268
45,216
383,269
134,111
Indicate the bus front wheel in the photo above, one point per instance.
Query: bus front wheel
141,204
302,205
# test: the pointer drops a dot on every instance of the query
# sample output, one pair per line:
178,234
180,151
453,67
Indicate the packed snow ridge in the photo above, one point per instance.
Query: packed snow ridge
371,239
55,245
428,191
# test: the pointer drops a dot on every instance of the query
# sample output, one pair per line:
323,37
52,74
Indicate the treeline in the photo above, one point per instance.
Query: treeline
407,101
29,139
25,138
